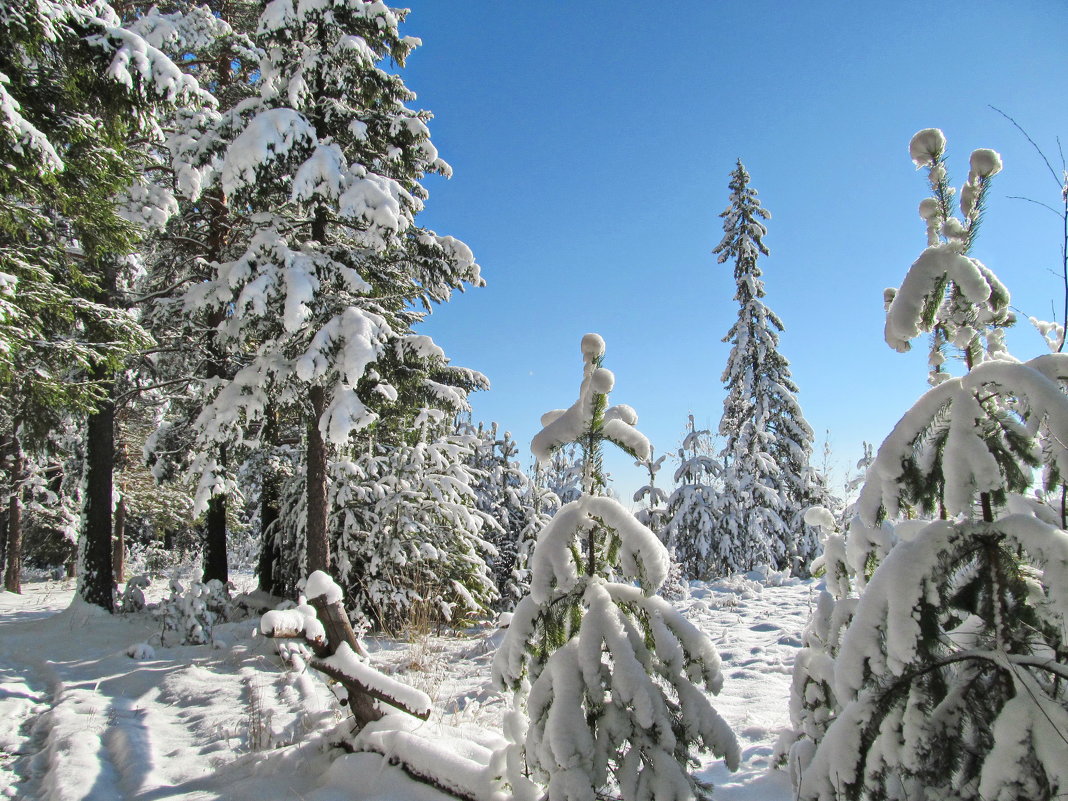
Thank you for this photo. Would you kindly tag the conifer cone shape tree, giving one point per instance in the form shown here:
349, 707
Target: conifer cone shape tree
768, 481
609, 679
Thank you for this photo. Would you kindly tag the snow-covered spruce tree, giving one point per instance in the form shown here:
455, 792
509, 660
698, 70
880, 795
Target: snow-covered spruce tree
845, 564
562, 474
952, 672
767, 481
326, 161
693, 511
609, 680
652, 514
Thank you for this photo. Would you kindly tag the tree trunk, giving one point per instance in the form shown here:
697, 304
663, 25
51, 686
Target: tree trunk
118, 544
13, 567
318, 544
96, 580
270, 581
215, 565
3, 541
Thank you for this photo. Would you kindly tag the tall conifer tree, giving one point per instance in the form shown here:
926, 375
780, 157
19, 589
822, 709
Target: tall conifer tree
80, 97
767, 477
327, 161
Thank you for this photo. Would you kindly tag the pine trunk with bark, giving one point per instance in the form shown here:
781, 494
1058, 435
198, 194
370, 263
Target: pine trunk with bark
13, 563
215, 560
318, 543
118, 543
270, 492
96, 579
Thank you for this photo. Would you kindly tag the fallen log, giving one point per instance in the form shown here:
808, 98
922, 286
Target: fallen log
324, 626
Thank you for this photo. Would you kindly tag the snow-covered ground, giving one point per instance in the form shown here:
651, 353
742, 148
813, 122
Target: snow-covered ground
81, 719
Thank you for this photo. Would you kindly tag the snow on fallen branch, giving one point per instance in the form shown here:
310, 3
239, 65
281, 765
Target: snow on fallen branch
324, 625
346, 667
438, 755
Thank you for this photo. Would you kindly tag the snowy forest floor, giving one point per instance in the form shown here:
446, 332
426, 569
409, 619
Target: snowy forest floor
81, 720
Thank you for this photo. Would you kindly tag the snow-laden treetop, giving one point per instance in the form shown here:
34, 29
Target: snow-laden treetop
946, 291
588, 421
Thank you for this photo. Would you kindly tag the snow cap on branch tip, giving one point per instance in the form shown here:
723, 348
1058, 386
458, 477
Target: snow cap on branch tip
551, 417
953, 229
929, 208
984, 164
592, 346
926, 146
967, 198
602, 381
625, 413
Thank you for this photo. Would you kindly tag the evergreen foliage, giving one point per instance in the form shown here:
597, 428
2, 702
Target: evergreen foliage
326, 162
408, 535
767, 480
80, 99
950, 677
609, 680
694, 510
507, 496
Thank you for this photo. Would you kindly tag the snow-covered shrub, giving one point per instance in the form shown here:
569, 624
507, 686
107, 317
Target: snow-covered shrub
609, 680
133, 594
513, 501
950, 678
693, 513
408, 534
187, 616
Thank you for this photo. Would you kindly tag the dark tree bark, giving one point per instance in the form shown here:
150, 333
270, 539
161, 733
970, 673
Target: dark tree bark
97, 581
318, 543
3, 541
215, 564
270, 579
118, 544
13, 566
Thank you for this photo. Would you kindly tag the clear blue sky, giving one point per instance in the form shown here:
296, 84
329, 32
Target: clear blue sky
591, 144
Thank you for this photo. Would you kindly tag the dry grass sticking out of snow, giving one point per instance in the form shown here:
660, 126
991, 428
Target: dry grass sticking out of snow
81, 719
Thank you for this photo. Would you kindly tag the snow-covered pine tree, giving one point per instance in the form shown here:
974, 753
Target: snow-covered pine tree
81, 94
188, 359
562, 474
767, 480
952, 672
609, 679
693, 511
327, 161
651, 515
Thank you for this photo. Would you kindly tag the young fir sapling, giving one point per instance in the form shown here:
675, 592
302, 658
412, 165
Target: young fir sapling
609, 680
952, 672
